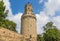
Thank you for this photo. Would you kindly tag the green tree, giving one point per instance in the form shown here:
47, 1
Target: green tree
51, 32
3, 14
10, 25
3, 21
40, 37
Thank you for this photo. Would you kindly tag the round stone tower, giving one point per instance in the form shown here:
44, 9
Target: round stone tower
28, 24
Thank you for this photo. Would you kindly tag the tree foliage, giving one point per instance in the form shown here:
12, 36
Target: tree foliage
3, 14
51, 32
3, 21
40, 37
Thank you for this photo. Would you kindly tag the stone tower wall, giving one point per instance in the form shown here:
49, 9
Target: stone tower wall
28, 24
29, 28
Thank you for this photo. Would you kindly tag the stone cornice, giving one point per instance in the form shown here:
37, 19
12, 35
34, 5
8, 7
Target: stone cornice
31, 16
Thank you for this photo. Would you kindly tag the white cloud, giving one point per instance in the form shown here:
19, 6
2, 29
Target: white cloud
40, 1
45, 16
7, 4
56, 21
42, 19
0, 0
51, 7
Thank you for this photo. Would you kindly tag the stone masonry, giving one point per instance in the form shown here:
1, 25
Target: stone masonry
7, 35
28, 24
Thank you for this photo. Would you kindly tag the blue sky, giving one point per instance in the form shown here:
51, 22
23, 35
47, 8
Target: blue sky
18, 5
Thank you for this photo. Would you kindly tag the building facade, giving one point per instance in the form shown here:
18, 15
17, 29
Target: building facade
28, 24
